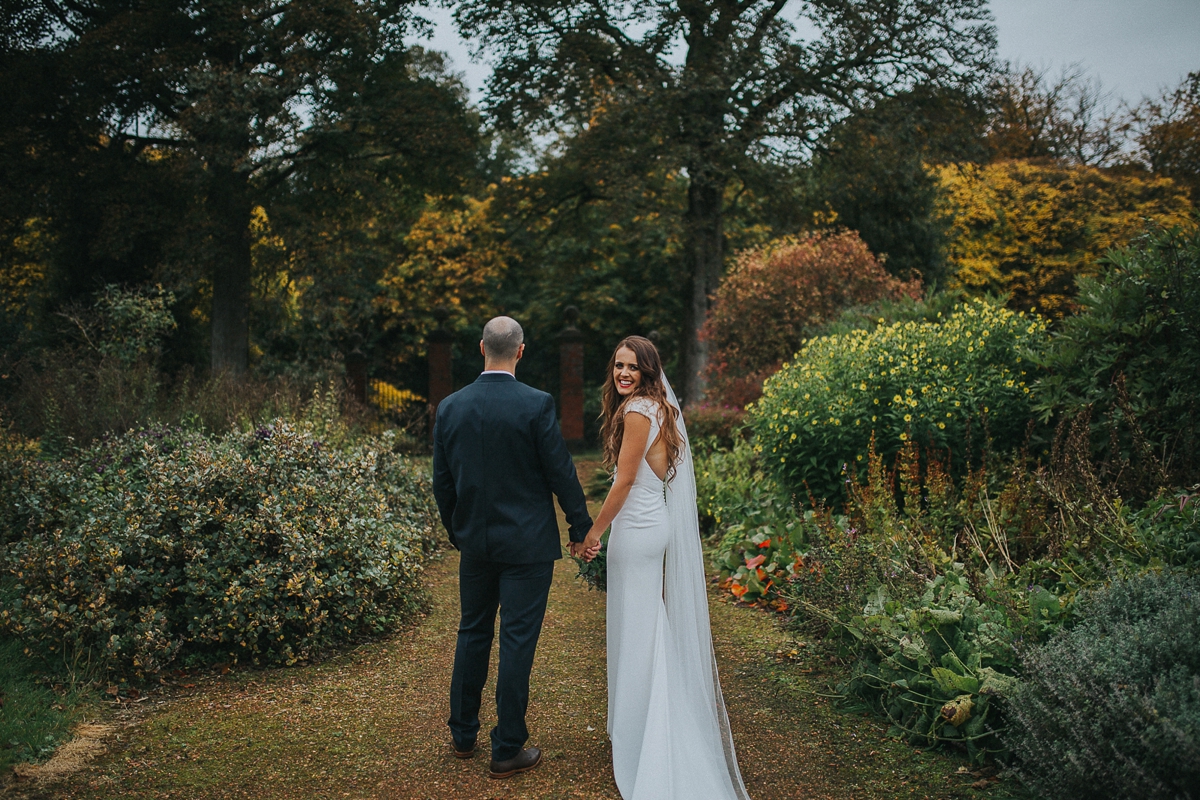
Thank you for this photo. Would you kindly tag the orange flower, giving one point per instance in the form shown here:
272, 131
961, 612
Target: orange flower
754, 562
765, 545
737, 590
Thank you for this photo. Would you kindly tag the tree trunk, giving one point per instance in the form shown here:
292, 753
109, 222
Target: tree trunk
705, 251
230, 205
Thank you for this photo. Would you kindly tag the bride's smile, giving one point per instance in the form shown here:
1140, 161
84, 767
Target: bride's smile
626, 374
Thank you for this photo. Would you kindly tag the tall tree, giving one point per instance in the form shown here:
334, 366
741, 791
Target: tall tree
1069, 119
872, 171
250, 92
1168, 134
712, 86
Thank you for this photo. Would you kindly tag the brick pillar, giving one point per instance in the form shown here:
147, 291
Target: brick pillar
570, 349
356, 374
441, 379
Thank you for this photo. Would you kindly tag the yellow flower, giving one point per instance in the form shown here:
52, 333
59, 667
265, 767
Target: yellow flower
942, 425
904, 437
908, 417
897, 399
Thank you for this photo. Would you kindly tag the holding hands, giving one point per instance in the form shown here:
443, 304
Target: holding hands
590, 546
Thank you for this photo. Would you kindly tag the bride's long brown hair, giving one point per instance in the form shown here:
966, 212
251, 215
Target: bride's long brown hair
612, 413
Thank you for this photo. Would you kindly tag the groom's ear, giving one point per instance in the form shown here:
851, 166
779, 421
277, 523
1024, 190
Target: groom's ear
482, 352
520, 350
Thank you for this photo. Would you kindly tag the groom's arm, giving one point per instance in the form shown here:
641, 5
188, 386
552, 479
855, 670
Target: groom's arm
560, 472
443, 484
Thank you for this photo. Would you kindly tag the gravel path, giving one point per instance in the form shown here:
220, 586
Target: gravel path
371, 723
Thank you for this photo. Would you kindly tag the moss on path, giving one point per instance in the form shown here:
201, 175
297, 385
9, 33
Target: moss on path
371, 723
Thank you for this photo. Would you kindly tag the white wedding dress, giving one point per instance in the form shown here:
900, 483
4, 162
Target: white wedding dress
666, 717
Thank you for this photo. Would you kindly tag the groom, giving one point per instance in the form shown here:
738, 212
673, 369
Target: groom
498, 456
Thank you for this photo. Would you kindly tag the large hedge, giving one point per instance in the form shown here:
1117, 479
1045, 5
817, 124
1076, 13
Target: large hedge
948, 385
262, 546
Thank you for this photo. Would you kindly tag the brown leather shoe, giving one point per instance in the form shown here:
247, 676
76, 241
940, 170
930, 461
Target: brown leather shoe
468, 753
523, 761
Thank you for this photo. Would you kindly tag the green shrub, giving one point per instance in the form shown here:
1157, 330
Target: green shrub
757, 529
1168, 528
935, 666
1130, 359
262, 546
951, 385
18, 463
934, 305
1111, 707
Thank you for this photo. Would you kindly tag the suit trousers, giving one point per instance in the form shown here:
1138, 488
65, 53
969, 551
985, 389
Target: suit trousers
520, 592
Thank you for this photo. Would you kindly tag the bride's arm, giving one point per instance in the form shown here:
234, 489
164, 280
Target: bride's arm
633, 445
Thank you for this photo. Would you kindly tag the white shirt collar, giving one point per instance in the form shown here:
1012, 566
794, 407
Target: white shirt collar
497, 372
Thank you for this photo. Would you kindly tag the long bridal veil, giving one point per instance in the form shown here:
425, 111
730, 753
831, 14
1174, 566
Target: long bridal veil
692, 669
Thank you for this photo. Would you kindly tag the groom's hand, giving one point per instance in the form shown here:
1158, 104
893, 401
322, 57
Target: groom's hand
590, 546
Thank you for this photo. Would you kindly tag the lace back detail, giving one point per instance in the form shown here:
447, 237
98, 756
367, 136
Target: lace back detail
651, 411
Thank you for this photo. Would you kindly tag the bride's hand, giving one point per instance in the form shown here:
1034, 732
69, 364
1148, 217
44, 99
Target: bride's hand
591, 544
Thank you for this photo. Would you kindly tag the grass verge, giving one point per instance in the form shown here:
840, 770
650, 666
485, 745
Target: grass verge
36, 713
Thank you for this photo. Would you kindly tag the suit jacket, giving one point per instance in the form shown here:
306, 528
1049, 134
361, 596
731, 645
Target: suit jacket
498, 457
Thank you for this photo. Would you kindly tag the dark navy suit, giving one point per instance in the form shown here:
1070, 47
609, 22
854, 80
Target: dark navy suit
499, 460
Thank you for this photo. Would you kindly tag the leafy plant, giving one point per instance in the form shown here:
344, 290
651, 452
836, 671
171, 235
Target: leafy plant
262, 546
935, 667
1111, 707
1130, 359
951, 385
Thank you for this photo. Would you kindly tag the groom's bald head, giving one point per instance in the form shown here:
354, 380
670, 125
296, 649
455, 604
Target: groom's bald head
502, 339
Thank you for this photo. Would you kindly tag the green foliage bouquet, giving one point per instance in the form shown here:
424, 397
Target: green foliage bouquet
949, 384
263, 546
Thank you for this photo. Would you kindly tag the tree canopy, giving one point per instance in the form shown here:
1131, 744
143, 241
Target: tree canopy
224, 109
711, 87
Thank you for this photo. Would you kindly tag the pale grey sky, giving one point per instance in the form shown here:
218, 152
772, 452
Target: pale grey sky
1135, 47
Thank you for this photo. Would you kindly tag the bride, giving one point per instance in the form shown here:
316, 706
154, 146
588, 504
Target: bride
666, 717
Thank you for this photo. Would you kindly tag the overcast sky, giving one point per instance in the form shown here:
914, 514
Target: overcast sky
1135, 47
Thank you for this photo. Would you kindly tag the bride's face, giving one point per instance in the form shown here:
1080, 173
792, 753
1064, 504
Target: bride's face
626, 374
